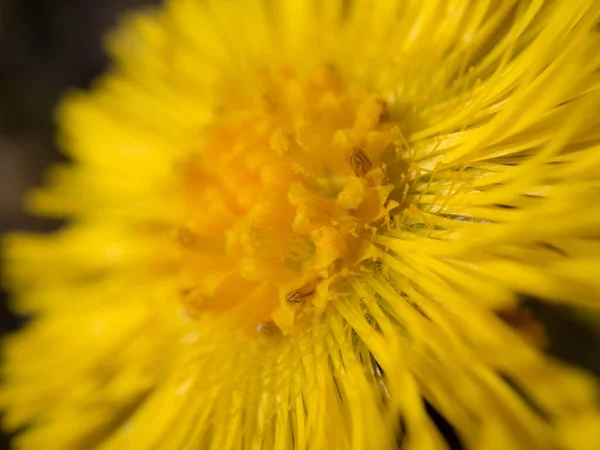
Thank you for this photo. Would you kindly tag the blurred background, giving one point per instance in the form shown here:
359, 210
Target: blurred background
49, 46
46, 47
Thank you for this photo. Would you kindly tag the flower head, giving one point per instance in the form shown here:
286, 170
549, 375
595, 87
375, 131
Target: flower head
295, 224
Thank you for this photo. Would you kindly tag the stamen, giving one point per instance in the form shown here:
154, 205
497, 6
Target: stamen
300, 296
360, 162
267, 328
185, 237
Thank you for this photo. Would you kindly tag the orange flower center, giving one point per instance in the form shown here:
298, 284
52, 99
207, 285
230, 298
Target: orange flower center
285, 193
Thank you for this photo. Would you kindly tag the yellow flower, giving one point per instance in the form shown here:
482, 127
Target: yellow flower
296, 224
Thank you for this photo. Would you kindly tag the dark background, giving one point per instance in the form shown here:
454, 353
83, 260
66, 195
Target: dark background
48, 46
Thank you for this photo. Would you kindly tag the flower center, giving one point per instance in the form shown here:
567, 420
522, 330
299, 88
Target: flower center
287, 191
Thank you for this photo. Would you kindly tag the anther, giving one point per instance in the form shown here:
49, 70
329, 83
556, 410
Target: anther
299, 296
384, 115
267, 328
186, 238
360, 162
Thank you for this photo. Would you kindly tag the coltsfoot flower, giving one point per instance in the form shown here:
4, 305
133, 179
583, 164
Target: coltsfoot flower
297, 224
